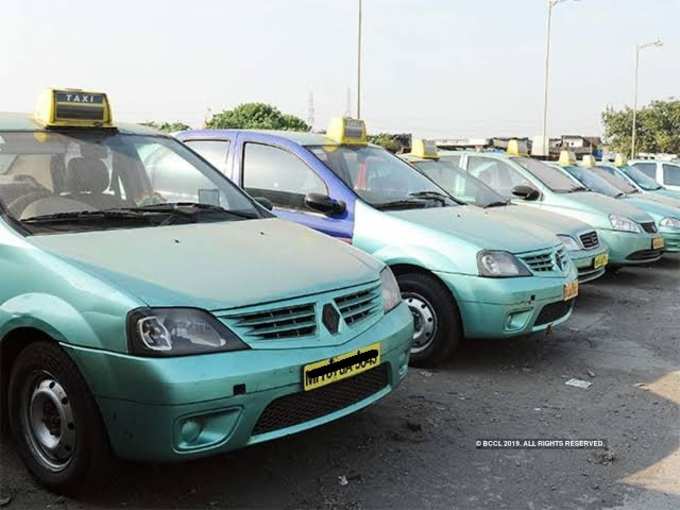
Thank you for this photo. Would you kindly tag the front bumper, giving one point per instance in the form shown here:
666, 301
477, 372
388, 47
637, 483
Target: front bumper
509, 307
169, 409
626, 248
584, 260
671, 238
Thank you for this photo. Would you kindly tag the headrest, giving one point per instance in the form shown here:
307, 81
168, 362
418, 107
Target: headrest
87, 175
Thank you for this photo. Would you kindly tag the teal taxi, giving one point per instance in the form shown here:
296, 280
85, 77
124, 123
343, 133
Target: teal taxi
643, 175
666, 217
462, 274
580, 240
153, 311
630, 234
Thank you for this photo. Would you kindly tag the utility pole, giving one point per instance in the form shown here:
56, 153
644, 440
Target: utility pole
310, 111
359, 65
658, 43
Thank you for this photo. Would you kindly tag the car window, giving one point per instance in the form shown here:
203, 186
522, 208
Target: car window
548, 175
649, 169
594, 181
73, 174
215, 151
671, 174
280, 176
497, 174
453, 160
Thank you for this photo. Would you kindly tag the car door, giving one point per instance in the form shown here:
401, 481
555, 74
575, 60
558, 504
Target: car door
671, 176
285, 175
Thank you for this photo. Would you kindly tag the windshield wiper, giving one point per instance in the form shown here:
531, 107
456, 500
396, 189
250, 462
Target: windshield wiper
577, 189
434, 195
401, 204
185, 209
499, 203
85, 215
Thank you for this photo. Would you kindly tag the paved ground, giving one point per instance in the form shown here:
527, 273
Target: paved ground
416, 449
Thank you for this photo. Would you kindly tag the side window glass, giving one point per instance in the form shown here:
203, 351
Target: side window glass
496, 174
671, 175
649, 169
215, 151
279, 176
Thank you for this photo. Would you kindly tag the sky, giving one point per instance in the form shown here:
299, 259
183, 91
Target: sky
434, 68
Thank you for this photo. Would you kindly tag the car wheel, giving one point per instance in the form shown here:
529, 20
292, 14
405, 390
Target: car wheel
55, 422
437, 325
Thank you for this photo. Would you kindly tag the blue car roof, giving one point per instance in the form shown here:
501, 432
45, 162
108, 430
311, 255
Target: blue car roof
299, 137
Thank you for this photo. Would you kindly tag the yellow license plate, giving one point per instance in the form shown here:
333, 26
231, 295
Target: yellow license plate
657, 243
570, 290
327, 371
601, 260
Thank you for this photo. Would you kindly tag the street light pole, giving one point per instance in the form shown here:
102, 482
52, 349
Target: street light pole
546, 142
359, 66
657, 43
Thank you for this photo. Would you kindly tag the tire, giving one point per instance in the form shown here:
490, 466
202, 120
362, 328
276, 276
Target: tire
54, 421
439, 330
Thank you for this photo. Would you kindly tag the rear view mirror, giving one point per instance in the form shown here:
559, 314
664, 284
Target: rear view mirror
324, 203
526, 192
264, 202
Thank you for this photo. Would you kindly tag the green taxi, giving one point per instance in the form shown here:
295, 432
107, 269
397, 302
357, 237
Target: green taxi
630, 234
580, 240
153, 311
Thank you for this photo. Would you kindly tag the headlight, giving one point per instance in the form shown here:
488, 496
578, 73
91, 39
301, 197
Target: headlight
499, 264
624, 224
166, 332
390, 289
670, 223
569, 242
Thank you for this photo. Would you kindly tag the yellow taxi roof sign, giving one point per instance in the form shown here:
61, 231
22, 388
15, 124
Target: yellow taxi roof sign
347, 131
425, 149
588, 161
567, 158
73, 108
516, 149
620, 160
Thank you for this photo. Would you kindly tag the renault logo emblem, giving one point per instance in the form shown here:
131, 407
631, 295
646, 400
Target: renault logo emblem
330, 318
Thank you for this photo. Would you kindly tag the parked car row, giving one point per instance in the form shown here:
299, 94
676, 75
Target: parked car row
168, 300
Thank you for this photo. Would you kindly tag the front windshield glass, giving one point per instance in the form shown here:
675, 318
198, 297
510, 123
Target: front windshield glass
593, 181
380, 178
554, 179
459, 183
641, 179
94, 180
615, 180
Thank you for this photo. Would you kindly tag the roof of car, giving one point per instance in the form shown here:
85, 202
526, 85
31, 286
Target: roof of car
299, 137
25, 122
497, 154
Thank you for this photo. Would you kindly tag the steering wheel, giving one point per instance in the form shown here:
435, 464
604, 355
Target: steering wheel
17, 206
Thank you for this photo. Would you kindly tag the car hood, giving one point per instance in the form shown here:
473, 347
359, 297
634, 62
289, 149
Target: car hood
657, 209
667, 200
479, 227
215, 265
554, 223
595, 202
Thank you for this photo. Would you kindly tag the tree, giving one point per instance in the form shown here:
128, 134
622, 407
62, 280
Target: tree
256, 116
386, 141
167, 127
658, 127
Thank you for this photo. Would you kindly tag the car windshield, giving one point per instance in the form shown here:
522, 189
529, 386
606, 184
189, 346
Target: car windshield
554, 179
380, 178
615, 180
593, 181
459, 183
641, 179
94, 180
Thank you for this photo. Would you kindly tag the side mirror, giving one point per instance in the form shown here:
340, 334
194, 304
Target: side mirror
324, 204
264, 202
526, 192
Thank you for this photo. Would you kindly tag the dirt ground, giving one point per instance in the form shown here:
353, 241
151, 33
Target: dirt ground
416, 448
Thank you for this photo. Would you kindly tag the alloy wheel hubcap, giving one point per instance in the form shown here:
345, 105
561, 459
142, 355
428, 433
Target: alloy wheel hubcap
424, 321
49, 424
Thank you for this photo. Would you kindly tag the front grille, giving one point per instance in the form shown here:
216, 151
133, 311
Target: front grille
277, 323
308, 405
553, 312
650, 227
546, 261
359, 305
590, 240
645, 255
